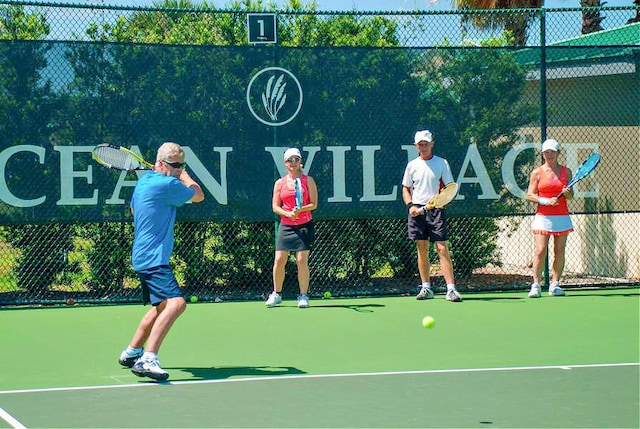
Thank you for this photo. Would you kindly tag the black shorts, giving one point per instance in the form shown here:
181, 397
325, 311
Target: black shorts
295, 238
432, 226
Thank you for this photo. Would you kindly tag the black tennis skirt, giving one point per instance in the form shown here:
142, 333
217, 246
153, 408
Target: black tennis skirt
295, 238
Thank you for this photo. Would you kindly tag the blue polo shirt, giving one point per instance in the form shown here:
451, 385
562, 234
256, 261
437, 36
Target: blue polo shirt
154, 202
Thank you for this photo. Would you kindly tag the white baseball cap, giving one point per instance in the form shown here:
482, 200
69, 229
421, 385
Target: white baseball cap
550, 144
292, 151
424, 135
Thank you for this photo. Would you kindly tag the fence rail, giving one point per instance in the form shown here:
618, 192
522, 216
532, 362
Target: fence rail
359, 85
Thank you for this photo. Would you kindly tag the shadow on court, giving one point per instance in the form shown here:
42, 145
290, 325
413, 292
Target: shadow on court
221, 373
570, 293
361, 308
488, 298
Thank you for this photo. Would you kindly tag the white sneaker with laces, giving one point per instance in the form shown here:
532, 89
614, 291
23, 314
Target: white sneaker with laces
425, 293
273, 300
534, 292
453, 296
303, 301
149, 368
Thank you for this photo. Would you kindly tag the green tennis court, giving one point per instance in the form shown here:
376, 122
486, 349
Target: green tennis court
494, 360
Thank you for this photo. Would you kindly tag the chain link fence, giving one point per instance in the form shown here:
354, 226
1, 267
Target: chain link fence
491, 85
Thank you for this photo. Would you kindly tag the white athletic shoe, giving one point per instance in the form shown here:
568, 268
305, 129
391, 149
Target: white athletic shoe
453, 296
303, 301
127, 359
534, 292
273, 300
425, 293
555, 290
149, 368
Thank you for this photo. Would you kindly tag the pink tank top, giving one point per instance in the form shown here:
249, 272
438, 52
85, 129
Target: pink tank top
288, 199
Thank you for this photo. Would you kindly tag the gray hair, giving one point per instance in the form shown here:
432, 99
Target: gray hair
170, 151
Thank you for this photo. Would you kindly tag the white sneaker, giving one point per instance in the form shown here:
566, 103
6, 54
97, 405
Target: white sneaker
555, 290
425, 293
149, 368
534, 292
273, 300
453, 296
303, 301
127, 359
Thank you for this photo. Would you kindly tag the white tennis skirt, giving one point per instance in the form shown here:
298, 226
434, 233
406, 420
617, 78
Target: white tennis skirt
552, 225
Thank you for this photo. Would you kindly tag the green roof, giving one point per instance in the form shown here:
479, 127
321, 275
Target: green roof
605, 44
627, 35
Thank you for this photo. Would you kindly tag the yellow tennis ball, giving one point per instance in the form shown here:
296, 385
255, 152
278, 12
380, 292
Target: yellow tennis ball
194, 298
327, 295
428, 322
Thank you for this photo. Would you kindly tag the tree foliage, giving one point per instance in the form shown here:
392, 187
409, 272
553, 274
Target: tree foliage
175, 74
475, 96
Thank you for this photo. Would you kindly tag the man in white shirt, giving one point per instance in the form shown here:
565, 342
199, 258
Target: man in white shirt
423, 179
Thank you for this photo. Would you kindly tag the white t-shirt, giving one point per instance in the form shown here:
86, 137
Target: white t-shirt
425, 177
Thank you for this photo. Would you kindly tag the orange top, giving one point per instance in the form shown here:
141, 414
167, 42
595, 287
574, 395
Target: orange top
550, 187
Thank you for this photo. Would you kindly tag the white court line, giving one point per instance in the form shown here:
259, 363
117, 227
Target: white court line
9, 419
17, 425
309, 376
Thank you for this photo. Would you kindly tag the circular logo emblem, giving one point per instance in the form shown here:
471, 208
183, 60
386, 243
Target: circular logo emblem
274, 96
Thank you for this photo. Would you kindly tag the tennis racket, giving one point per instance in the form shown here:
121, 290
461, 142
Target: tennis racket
584, 170
444, 197
119, 158
298, 192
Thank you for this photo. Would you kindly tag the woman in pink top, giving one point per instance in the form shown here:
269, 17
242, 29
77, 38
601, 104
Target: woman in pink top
295, 232
552, 216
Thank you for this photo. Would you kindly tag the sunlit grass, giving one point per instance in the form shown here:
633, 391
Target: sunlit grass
8, 262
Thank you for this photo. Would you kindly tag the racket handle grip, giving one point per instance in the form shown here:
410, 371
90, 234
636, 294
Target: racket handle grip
561, 194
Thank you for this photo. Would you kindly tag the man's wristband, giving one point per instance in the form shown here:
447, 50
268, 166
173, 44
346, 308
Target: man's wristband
409, 204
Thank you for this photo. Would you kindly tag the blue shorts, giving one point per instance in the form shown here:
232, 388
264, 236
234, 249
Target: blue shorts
158, 284
432, 226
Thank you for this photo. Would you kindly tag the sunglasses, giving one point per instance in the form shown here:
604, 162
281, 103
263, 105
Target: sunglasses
176, 164
292, 160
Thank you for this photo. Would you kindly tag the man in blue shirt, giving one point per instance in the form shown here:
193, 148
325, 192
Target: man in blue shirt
155, 199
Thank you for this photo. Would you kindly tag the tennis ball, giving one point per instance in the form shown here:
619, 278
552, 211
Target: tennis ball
194, 298
428, 322
70, 301
327, 295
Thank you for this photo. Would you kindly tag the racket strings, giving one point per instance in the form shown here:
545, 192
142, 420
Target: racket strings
117, 158
585, 169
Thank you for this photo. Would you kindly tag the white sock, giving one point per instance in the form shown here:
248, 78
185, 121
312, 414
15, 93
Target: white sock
426, 284
149, 356
451, 287
133, 351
